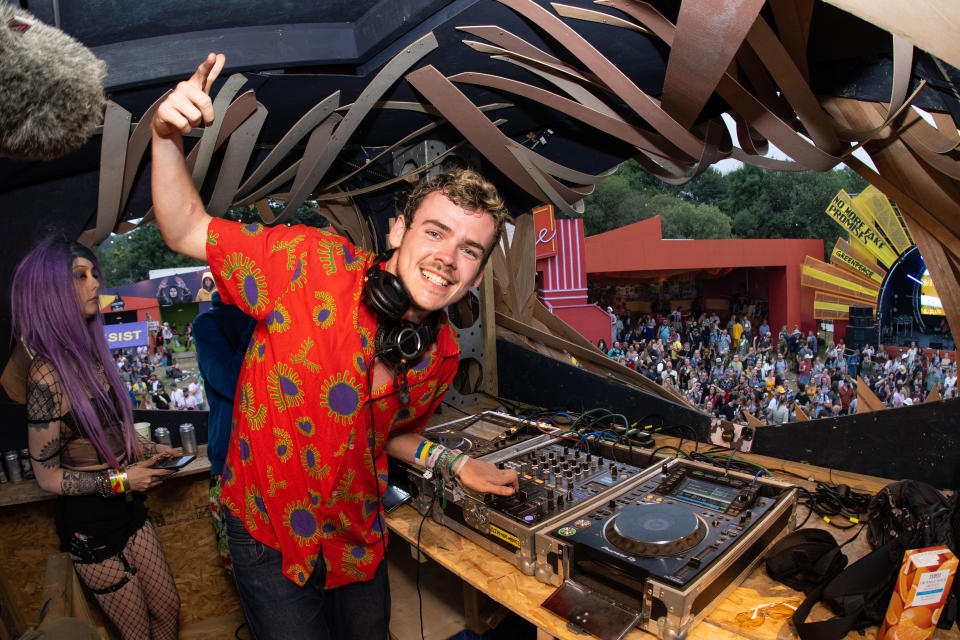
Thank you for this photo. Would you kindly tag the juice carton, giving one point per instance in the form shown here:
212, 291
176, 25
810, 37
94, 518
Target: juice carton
923, 583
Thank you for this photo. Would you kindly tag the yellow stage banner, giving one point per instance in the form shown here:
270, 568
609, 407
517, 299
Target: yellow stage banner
827, 306
826, 277
873, 203
842, 210
842, 256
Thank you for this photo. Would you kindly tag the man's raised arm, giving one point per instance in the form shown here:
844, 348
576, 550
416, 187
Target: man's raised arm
180, 214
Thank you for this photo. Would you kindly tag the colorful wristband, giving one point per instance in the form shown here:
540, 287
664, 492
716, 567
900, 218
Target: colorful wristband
435, 454
457, 465
116, 481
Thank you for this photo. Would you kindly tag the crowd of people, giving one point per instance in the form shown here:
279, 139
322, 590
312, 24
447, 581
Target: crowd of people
733, 368
139, 369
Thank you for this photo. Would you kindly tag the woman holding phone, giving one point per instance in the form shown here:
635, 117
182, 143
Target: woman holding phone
83, 444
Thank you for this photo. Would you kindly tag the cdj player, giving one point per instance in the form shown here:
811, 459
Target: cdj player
658, 553
555, 479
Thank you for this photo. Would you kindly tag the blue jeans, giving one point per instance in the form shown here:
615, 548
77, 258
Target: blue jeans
275, 607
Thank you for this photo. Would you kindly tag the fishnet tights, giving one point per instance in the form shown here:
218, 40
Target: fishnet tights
147, 607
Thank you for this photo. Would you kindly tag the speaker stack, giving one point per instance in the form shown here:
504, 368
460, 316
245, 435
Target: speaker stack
862, 330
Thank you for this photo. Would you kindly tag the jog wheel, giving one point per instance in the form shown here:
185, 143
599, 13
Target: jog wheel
655, 530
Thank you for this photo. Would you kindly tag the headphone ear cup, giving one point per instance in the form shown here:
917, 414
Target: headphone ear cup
385, 295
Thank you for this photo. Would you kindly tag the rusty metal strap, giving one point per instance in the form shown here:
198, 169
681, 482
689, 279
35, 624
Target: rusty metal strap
235, 161
319, 137
315, 165
645, 106
304, 125
707, 38
614, 127
481, 133
113, 147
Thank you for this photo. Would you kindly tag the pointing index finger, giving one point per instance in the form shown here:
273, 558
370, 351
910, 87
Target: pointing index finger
208, 71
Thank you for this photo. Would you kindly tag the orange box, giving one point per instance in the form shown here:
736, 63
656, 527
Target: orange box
923, 584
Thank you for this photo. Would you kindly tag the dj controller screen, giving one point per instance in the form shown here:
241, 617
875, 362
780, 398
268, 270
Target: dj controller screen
709, 495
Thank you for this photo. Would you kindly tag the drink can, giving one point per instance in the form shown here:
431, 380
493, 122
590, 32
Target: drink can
25, 464
3, 475
11, 461
161, 435
188, 438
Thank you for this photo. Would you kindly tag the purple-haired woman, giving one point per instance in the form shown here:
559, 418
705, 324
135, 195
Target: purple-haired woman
83, 443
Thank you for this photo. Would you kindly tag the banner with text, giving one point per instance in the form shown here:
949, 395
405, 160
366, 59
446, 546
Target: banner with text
127, 334
861, 231
545, 227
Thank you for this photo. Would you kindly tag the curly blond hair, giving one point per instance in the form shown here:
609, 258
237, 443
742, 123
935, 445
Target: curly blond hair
466, 189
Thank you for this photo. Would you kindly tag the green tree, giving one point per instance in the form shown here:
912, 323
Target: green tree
614, 204
682, 219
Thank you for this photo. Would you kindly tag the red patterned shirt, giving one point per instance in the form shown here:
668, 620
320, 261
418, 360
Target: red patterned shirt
299, 472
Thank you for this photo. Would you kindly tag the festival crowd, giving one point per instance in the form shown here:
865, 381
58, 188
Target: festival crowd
734, 368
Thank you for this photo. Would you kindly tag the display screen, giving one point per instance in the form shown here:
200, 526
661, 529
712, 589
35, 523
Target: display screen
708, 494
930, 304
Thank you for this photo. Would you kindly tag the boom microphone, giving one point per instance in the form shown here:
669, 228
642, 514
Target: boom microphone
52, 98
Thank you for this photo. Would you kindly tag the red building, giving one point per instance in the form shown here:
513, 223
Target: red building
764, 269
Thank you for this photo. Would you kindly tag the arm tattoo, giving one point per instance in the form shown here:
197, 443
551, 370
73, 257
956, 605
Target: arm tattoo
42, 405
77, 483
49, 454
147, 447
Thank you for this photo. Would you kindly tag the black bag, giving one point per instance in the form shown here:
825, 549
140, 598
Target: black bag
919, 515
805, 559
859, 595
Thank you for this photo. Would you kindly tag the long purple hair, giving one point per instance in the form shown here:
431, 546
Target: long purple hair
50, 320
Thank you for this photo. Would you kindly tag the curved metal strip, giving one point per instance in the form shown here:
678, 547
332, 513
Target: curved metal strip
305, 124
750, 109
615, 127
410, 136
947, 129
210, 134
771, 164
136, 147
716, 133
589, 15
319, 137
645, 106
540, 178
113, 146
487, 139
314, 167
794, 86
915, 132
793, 19
235, 161
750, 141
708, 35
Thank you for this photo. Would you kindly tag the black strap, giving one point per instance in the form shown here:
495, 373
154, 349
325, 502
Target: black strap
849, 592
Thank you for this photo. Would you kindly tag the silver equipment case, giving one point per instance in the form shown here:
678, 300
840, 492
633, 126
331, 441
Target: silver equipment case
659, 554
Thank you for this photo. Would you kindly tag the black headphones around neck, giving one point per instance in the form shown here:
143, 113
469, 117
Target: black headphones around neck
398, 342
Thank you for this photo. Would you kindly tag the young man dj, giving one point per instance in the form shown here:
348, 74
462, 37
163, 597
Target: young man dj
350, 356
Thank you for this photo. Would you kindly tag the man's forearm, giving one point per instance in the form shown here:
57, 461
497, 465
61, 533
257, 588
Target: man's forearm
403, 447
177, 205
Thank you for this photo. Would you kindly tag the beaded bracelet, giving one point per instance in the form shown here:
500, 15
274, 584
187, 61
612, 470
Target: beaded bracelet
117, 484
102, 484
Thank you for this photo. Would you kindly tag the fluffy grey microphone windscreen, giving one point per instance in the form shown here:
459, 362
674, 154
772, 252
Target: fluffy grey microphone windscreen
52, 97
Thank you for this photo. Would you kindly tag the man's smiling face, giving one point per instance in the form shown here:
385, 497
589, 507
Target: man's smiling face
440, 256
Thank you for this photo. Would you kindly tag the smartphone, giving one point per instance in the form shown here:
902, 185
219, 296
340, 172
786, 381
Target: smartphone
393, 497
174, 464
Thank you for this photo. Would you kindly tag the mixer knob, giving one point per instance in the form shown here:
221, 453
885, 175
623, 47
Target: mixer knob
613, 473
576, 454
553, 455
549, 493
560, 502
589, 458
578, 474
612, 504
501, 465
524, 468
